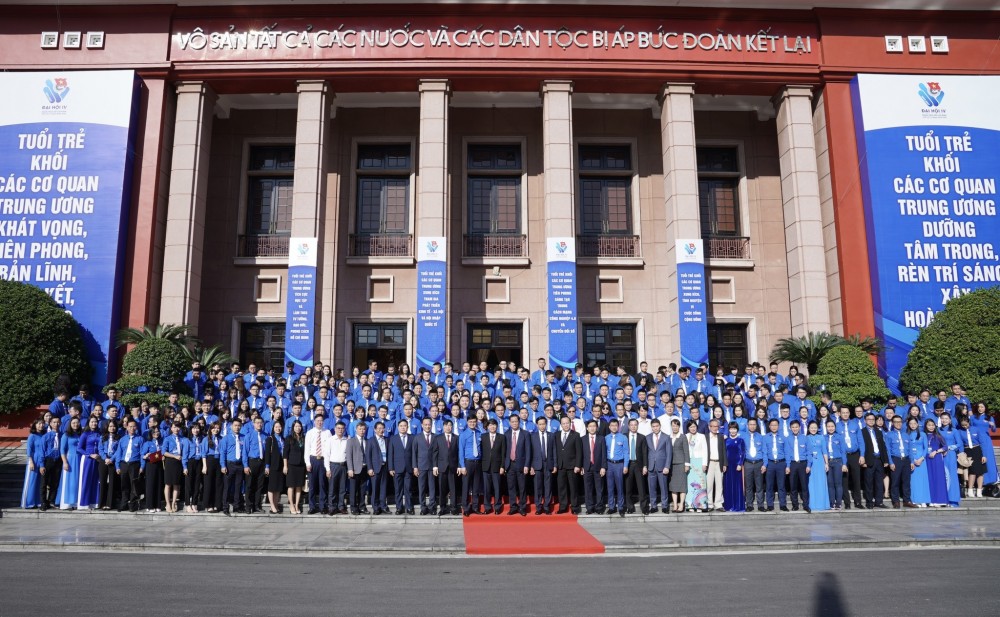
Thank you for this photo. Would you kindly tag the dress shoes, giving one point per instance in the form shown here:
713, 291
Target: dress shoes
513, 512
807, 509
621, 513
400, 512
909, 504
784, 508
653, 511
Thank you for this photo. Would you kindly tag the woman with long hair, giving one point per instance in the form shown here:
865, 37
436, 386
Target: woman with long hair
173, 465
108, 480
88, 485
31, 494
152, 466
936, 449
679, 466
294, 466
953, 444
69, 482
274, 465
193, 463
920, 490
211, 490
697, 492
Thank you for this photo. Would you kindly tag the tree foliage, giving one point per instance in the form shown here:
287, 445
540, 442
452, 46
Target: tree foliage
42, 347
170, 332
849, 374
961, 345
808, 350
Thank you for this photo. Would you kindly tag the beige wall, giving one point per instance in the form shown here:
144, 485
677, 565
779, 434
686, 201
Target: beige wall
761, 292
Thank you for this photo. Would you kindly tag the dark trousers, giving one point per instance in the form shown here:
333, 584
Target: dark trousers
211, 493
338, 487
50, 480
658, 493
593, 488
753, 483
255, 483
472, 486
193, 483
317, 484
635, 482
492, 497
358, 483
401, 483
800, 483
543, 489
835, 482
852, 479
130, 486
427, 487
446, 491
566, 481
775, 480
154, 485
232, 485
899, 480
108, 482
516, 489
380, 502
874, 483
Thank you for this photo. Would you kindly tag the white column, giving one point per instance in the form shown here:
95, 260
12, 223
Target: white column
432, 175
680, 188
180, 300
557, 150
311, 127
800, 196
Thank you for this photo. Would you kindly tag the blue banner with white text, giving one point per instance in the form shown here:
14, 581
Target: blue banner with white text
65, 170
929, 147
561, 270
300, 302
432, 295
691, 306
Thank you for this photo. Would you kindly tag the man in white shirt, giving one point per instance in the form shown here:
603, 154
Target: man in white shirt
315, 454
335, 460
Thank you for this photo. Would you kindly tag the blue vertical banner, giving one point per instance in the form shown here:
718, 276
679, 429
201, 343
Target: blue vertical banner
929, 147
300, 302
691, 306
563, 340
432, 300
65, 173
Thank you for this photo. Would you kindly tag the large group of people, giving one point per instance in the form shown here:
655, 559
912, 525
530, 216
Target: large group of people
487, 441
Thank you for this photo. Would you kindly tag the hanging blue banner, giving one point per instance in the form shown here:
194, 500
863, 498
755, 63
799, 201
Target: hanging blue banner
563, 342
300, 302
930, 159
692, 322
65, 170
432, 297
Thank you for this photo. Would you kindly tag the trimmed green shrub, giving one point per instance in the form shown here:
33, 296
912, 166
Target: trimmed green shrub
41, 344
849, 374
961, 345
159, 358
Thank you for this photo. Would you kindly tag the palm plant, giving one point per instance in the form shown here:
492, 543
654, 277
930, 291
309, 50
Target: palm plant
808, 349
209, 356
171, 332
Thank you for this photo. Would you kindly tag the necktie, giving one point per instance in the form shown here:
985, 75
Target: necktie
260, 446
631, 447
829, 445
784, 428
542, 435
56, 441
381, 447
428, 438
319, 445
237, 439
796, 446
475, 446
564, 435
447, 441
874, 441
968, 435
591, 448
492, 440
656, 440
774, 447
902, 451
362, 442
128, 450
197, 448
111, 446
513, 446
177, 440
753, 447
847, 435
404, 441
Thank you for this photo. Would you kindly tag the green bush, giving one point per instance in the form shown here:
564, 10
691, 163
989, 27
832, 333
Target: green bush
40, 343
159, 358
848, 373
961, 345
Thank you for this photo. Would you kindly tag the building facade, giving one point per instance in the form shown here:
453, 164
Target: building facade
498, 127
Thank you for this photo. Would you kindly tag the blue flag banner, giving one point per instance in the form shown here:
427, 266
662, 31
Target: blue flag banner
692, 323
300, 302
432, 300
929, 147
65, 172
563, 343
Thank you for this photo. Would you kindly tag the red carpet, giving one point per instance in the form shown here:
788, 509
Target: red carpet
558, 534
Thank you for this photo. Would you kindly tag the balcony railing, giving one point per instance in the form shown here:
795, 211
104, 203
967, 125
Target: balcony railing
727, 247
494, 245
608, 246
268, 245
381, 245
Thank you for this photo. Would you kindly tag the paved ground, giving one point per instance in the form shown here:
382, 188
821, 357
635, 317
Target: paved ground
319, 535
924, 582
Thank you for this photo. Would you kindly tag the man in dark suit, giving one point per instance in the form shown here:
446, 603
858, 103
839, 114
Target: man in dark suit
444, 454
595, 456
635, 469
376, 459
422, 466
492, 448
357, 468
874, 461
660, 456
543, 467
569, 464
516, 460
400, 460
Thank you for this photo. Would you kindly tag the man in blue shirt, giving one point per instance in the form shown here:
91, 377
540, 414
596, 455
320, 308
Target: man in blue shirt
775, 468
468, 467
853, 443
234, 462
127, 465
255, 463
797, 463
617, 458
898, 446
753, 463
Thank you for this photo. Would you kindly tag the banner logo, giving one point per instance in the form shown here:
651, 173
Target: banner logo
56, 90
432, 246
931, 93
561, 247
